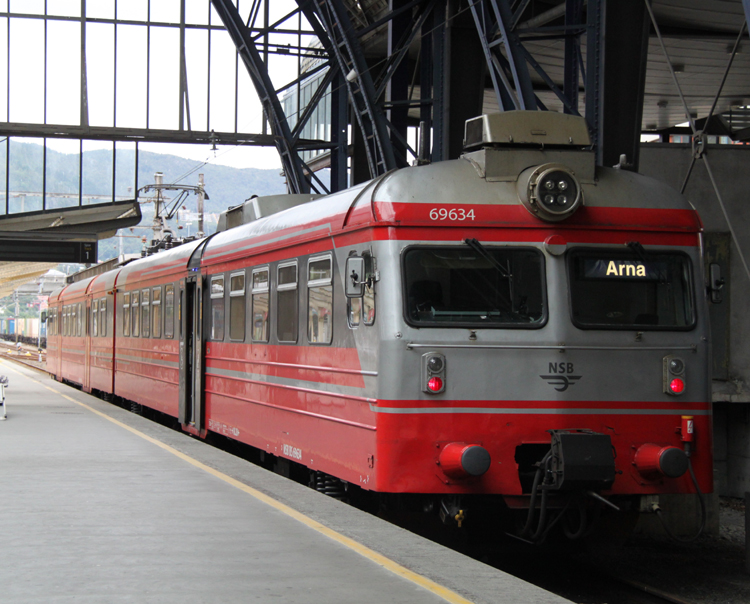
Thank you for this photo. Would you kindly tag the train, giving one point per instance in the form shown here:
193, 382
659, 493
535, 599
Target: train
518, 330
28, 331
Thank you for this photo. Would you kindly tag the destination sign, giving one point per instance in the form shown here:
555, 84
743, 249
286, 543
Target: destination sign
614, 268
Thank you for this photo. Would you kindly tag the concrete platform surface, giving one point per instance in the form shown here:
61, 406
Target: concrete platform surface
98, 505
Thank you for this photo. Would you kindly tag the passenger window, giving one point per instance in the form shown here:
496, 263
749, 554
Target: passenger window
217, 308
126, 314
169, 311
260, 305
286, 302
237, 307
95, 318
156, 304
319, 301
145, 314
103, 317
135, 314
78, 320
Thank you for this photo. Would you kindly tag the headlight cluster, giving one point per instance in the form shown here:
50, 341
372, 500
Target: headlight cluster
550, 191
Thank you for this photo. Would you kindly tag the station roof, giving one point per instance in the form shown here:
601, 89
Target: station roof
698, 37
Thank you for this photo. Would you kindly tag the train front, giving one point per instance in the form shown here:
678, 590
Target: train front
549, 340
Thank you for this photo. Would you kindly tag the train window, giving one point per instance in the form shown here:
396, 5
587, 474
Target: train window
466, 287
156, 312
79, 320
237, 307
103, 317
145, 313
169, 311
286, 302
135, 315
319, 300
217, 308
368, 298
95, 318
259, 310
65, 321
630, 290
354, 306
126, 314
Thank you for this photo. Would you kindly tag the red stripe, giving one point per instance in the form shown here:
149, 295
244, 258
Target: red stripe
516, 216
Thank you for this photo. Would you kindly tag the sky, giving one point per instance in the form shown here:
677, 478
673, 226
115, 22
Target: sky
128, 88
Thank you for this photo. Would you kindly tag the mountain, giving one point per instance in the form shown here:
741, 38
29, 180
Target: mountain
224, 185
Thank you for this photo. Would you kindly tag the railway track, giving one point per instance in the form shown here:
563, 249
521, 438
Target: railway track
26, 355
571, 575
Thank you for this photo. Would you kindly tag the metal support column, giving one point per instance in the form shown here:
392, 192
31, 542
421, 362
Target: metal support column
626, 34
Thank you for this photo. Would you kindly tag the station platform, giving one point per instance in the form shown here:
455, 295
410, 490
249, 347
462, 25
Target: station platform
98, 505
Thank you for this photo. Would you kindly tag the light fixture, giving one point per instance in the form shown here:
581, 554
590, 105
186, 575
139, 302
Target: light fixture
550, 191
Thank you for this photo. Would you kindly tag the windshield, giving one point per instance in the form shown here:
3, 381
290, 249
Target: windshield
461, 286
626, 290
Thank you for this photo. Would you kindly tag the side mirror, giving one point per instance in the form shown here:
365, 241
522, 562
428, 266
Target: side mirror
715, 283
355, 277
44, 316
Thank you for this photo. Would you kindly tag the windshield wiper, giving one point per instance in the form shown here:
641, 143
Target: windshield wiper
482, 251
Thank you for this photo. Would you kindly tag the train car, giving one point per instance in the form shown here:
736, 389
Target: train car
54, 330
100, 303
74, 342
517, 325
147, 349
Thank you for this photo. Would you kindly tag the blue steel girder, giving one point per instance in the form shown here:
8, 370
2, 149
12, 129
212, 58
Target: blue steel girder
341, 40
395, 59
508, 59
251, 58
494, 19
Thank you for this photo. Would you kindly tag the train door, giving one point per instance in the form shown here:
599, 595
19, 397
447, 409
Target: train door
191, 353
87, 347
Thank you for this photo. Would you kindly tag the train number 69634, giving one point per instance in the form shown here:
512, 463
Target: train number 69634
451, 214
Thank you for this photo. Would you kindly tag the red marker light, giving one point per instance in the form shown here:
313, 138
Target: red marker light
435, 384
677, 385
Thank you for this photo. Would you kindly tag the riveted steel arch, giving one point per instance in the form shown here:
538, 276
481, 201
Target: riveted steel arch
342, 41
258, 71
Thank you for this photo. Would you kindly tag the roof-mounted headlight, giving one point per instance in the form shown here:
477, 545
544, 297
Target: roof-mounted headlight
550, 191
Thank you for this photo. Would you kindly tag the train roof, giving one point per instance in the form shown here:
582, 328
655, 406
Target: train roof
79, 288
486, 180
160, 264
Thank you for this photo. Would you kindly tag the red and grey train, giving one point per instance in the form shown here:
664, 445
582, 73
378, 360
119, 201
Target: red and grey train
517, 325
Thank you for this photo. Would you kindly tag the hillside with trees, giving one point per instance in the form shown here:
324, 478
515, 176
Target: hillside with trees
225, 186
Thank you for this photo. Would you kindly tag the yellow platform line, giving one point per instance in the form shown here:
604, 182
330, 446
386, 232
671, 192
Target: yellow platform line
394, 567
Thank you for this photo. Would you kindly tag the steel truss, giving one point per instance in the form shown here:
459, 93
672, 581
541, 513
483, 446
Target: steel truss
377, 91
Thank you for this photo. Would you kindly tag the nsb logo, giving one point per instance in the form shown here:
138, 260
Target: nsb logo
560, 376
